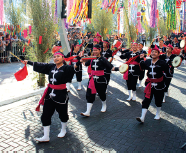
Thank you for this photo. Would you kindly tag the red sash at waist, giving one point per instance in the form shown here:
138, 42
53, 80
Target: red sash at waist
131, 61
91, 82
56, 87
147, 90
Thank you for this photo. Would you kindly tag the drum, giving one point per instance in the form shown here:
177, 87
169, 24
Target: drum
123, 68
182, 44
110, 59
176, 61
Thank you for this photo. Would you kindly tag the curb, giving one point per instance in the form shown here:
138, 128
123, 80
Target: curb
31, 94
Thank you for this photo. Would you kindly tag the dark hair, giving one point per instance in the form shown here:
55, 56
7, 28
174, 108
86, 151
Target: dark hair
97, 46
107, 43
7, 35
72, 47
141, 43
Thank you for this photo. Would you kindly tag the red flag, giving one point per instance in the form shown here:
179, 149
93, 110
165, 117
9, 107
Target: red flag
46, 50
21, 74
40, 39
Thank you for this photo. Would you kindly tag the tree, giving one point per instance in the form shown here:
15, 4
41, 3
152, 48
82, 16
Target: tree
127, 27
14, 15
43, 25
102, 20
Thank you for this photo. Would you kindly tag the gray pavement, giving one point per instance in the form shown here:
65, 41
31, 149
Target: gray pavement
115, 131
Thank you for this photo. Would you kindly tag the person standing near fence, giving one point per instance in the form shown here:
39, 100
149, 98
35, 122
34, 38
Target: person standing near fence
1, 49
8, 47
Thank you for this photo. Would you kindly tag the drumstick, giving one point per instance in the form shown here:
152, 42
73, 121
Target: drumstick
16, 56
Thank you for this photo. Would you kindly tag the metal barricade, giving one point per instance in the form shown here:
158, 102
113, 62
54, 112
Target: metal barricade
16, 49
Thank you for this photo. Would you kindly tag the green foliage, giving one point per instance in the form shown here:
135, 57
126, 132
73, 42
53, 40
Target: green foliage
127, 26
14, 15
90, 28
101, 19
42, 25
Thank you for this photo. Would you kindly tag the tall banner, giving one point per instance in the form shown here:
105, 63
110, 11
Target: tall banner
1, 12
121, 17
121, 21
69, 6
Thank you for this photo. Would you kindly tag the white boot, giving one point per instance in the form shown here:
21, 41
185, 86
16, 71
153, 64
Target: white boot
142, 118
157, 117
89, 107
45, 138
63, 130
134, 96
166, 93
164, 98
79, 86
104, 106
130, 96
140, 84
183, 62
68, 87
106, 91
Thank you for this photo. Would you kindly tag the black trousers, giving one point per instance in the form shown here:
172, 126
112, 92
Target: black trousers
108, 78
100, 88
144, 42
78, 77
158, 96
131, 82
142, 74
49, 108
167, 83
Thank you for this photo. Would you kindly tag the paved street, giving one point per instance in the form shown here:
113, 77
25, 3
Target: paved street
9, 84
113, 131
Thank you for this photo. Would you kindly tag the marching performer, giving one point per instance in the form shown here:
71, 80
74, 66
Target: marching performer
131, 76
99, 38
78, 71
154, 84
168, 58
95, 41
107, 53
142, 72
55, 96
97, 81
175, 43
91, 45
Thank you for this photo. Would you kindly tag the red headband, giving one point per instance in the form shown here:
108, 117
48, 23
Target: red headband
58, 54
96, 48
134, 44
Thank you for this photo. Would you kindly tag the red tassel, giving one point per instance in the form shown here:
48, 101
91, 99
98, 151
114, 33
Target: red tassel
40, 39
46, 50
23, 49
38, 108
30, 29
21, 74
28, 42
